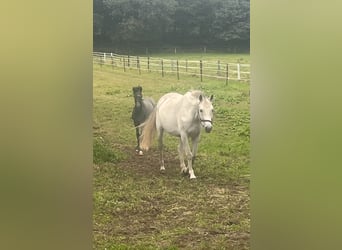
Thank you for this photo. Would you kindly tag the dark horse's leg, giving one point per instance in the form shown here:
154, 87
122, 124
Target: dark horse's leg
137, 133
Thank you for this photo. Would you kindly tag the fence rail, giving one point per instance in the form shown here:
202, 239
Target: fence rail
200, 68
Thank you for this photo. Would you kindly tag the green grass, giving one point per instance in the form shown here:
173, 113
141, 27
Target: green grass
136, 206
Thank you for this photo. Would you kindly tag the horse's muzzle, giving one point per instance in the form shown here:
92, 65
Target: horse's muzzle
207, 124
208, 129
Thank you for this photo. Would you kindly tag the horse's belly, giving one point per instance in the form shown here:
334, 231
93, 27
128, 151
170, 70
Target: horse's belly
170, 127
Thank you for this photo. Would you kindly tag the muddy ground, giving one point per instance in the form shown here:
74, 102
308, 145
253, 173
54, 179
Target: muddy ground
144, 208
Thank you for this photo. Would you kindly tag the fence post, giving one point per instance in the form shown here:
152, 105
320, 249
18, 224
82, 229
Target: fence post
148, 64
186, 65
218, 67
124, 64
201, 66
177, 71
238, 71
128, 61
227, 74
101, 61
138, 65
111, 55
162, 65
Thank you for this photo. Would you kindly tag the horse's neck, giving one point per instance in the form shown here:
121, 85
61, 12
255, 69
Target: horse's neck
190, 109
138, 109
191, 103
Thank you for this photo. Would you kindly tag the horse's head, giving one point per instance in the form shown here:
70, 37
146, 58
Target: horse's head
205, 111
137, 93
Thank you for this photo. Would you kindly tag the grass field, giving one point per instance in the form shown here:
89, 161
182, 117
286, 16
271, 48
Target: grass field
138, 207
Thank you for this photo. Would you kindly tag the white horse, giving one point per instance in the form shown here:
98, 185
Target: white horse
182, 116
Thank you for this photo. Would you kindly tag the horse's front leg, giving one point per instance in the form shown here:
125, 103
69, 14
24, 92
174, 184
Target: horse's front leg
137, 149
195, 141
188, 154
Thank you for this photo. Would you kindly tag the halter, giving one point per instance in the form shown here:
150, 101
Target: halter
206, 121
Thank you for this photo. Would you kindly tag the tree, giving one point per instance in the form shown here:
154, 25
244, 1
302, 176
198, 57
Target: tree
133, 23
231, 22
138, 21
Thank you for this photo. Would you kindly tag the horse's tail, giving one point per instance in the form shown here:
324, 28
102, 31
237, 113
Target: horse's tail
148, 130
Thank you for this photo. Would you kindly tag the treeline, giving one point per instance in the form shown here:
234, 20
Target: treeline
184, 23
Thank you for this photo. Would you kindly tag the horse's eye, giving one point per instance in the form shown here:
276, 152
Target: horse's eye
201, 110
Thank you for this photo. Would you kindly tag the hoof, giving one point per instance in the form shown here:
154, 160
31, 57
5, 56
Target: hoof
162, 168
184, 171
192, 177
141, 152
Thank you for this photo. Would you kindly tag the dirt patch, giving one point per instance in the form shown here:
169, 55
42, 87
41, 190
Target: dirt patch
149, 163
147, 208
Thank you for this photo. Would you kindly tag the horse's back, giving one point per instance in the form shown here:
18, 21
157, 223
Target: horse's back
169, 103
170, 97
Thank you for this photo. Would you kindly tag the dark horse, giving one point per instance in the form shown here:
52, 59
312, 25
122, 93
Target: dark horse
141, 110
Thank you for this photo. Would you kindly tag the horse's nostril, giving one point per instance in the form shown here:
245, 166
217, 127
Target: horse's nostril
208, 129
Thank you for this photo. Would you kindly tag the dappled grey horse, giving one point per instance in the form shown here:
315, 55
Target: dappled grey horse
181, 116
142, 109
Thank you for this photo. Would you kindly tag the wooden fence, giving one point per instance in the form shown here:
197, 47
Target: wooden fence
199, 68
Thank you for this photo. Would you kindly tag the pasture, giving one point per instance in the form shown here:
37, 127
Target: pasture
138, 207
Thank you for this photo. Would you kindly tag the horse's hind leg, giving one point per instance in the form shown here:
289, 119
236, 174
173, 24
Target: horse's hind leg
161, 147
183, 167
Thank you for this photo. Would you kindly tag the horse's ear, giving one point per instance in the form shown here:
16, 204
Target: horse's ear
200, 98
211, 98
140, 88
